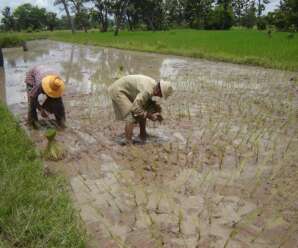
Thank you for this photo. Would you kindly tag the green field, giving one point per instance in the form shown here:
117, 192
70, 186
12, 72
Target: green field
237, 46
35, 210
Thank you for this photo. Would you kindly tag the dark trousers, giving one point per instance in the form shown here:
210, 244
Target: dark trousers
55, 106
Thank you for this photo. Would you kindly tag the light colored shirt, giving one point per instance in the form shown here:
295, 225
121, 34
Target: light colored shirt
138, 89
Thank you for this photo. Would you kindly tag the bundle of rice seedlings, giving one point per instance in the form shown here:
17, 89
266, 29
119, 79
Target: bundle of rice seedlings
54, 151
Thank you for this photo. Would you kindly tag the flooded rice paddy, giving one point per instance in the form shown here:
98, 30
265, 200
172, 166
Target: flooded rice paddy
220, 171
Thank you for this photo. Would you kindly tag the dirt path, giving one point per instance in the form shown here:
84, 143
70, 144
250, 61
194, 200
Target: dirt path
221, 171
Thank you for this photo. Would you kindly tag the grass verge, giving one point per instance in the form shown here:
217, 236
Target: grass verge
35, 211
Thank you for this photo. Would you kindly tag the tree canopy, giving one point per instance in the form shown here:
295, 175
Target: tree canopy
152, 15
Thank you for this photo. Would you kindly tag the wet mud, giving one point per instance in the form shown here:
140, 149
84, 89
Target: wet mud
220, 171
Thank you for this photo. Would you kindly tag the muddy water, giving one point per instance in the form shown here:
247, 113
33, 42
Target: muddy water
209, 175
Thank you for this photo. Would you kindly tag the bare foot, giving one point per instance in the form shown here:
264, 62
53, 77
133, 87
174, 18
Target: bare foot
143, 137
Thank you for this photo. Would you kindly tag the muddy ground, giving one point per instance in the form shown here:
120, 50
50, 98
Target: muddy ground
220, 171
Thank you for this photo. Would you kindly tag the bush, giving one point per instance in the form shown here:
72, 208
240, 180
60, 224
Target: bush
10, 41
29, 30
220, 18
261, 24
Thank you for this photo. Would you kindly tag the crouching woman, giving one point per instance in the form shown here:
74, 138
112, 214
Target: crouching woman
44, 90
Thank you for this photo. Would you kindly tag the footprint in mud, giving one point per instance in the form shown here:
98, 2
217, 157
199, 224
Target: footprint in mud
154, 136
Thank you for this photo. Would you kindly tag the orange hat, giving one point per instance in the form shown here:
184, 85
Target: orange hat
53, 86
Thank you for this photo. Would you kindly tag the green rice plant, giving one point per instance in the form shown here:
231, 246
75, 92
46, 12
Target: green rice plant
180, 221
54, 151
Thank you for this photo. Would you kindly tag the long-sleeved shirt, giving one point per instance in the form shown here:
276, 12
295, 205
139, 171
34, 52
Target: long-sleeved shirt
33, 82
138, 90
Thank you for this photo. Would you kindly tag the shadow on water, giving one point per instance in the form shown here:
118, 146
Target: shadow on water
1, 58
2, 78
2, 85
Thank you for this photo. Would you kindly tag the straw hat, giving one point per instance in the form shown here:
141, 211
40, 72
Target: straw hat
166, 88
53, 86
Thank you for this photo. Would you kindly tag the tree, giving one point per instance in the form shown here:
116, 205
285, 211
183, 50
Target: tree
238, 7
133, 16
28, 16
176, 11
287, 15
81, 13
220, 18
102, 8
197, 12
285, 18
224, 14
65, 6
249, 15
8, 19
52, 21
118, 9
244, 11
153, 13
261, 6
261, 22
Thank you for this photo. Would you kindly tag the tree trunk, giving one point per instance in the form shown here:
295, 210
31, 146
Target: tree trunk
119, 15
104, 23
103, 26
259, 8
152, 28
118, 22
70, 20
129, 21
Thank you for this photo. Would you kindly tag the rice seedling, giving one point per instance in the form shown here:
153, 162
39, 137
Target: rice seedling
180, 221
54, 151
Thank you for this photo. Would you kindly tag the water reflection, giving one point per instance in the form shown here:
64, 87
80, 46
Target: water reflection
89, 70
86, 69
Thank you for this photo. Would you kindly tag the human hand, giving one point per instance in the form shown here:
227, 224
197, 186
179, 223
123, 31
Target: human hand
155, 117
44, 113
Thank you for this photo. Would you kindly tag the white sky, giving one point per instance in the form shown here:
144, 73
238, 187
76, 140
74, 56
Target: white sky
49, 5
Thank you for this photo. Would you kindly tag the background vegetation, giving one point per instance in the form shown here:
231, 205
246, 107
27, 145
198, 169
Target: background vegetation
152, 15
276, 50
185, 21
35, 210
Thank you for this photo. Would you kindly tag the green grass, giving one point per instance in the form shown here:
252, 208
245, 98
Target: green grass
237, 46
16, 39
35, 210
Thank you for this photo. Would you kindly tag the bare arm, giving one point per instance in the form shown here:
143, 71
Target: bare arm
138, 106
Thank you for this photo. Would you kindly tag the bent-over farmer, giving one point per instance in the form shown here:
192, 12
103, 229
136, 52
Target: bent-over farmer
44, 90
132, 101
